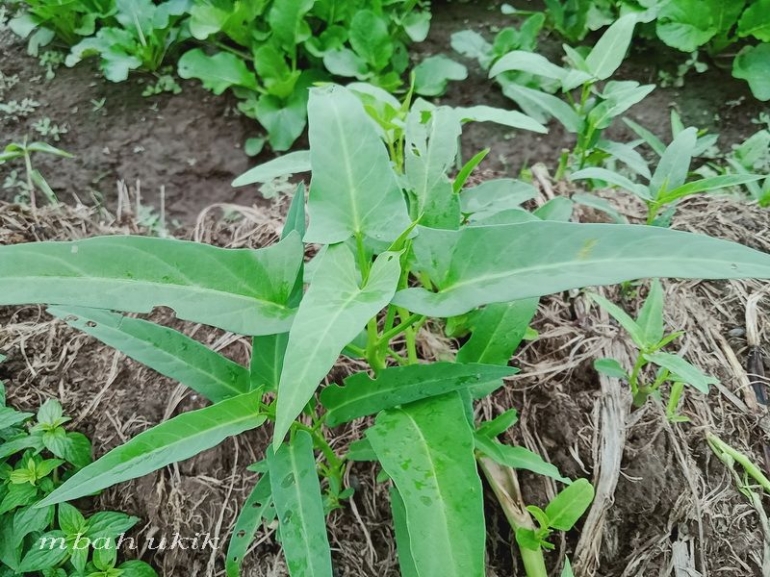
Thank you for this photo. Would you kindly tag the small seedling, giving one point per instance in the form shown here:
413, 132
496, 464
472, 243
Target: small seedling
667, 185
15, 110
676, 79
46, 128
165, 82
37, 454
561, 514
34, 180
97, 105
753, 156
7, 82
648, 334
51, 60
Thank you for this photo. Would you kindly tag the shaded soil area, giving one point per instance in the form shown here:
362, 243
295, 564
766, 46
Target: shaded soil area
190, 144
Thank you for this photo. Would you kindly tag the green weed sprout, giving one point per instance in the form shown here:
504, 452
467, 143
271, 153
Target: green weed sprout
647, 332
34, 178
38, 455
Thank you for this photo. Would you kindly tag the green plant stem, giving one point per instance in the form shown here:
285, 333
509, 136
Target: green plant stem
633, 381
652, 212
373, 354
505, 486
390, 318
238, 53
401, 360
411, 346
335, 462
400, 328
28, 167
363, 262
357, 350
673, 400
728, 455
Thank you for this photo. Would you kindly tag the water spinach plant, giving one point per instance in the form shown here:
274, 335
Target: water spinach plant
668, 183
647, 332
401, 247
590, 103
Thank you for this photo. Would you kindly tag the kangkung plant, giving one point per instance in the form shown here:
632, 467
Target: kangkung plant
401, 246
37, 455
753, 156
648, 334
589, 108
668, 184
471, 44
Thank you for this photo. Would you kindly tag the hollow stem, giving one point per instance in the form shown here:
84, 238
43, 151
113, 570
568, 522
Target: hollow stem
505, 486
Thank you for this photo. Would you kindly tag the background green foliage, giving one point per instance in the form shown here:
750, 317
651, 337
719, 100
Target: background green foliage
687, 25
267, 52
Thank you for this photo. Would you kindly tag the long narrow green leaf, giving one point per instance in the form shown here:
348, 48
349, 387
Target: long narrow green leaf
524, 61
608, 53
174, 440
431, 145
611, 177
512, 118
497, 331
298, 502
657, 145
403, 541
650, 319
395, 386
334, 310
241, 290
682, 369
467, 170
708, 184
494, 196
427, 449
600, 204
542, 106
517, 458
165, 350
246, 526
674, 165
430, 151
285, 165
267, 354
480, 265
354, 189
628, 155
569, 505
636, 332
